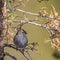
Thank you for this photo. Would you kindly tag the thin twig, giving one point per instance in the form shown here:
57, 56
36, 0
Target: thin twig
30, 13
37, 24
30, 22
27, 12
13, 57
33, 23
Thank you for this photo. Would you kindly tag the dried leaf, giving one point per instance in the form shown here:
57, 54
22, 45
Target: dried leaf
54, 11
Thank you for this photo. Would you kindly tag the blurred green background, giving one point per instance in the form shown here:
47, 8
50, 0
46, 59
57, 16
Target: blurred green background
36, 33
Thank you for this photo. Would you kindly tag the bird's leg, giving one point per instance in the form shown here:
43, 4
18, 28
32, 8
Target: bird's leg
13, 57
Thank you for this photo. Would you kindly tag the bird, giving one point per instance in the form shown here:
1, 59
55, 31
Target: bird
20, 39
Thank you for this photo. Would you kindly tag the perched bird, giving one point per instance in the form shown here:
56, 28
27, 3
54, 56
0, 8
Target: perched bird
20, 39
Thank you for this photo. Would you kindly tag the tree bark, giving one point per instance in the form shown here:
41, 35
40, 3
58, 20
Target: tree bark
2, 26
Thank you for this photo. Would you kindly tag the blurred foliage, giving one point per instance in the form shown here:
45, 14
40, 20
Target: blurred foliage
11, 15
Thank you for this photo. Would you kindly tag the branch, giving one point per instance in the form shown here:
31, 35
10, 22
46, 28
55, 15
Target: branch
13, 57
35, 14
22, 22
14, 9
34, 23
29, 22
27, 12
30, 13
